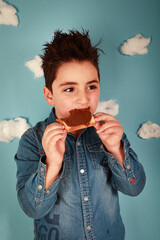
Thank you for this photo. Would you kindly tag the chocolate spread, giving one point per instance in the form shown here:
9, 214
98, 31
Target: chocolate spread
78, 117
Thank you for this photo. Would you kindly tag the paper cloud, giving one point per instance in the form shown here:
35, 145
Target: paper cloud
136, 45
14, 128
8, 14
109, 107
149, 130
35, 66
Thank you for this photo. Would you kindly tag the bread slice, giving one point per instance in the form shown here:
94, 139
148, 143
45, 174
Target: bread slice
78, 127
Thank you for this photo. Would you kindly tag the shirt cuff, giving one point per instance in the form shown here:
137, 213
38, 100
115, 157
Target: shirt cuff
42, 173
117, 168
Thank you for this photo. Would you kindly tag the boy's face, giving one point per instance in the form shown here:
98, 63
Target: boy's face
76, 86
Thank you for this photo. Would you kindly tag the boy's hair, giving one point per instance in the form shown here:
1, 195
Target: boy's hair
65, 48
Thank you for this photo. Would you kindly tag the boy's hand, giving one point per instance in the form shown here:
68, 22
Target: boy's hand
110, 132
53, 143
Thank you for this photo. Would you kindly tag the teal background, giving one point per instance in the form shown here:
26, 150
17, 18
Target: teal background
133, 81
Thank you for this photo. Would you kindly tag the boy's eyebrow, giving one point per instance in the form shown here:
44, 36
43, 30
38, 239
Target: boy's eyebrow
74, 83
93, 81
67, 83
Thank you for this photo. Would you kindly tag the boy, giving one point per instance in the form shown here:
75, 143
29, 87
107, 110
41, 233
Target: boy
69, 182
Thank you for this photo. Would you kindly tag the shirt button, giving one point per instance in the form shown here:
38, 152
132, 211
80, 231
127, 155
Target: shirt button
42, 170
85, 198
123, 170
39, 187
89, 228
78, 143
82, 171
47, 191
112, 157
128, 167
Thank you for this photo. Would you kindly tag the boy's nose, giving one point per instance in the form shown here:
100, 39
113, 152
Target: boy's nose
82, 99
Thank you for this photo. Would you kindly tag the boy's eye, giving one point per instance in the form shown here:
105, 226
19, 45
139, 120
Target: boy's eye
92, 87
69, 89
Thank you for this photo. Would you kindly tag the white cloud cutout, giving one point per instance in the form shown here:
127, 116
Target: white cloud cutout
35, 66
8, 14
109, 107
14, 128
136, 45
149, 130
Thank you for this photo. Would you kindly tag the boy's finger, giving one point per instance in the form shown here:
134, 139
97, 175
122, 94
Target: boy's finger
53, 127
112, 130
57, 137
107, 125
103, 117
54, 132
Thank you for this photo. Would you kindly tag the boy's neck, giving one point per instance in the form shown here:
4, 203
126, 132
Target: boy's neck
77, 133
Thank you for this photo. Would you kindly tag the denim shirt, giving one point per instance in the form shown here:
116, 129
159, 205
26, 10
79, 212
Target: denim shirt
82, 203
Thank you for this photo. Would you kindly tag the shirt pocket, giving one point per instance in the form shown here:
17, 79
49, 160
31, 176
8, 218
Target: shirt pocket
98, 156
67, 164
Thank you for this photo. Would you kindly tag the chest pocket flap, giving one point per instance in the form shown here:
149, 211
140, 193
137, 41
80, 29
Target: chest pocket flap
98, 156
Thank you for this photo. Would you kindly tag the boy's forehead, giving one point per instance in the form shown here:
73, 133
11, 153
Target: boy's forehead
76, 73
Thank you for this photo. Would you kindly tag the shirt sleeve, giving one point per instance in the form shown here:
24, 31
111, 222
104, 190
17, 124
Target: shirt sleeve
35, 201
131, 179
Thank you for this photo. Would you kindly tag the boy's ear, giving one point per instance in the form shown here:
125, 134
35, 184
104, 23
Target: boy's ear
48, 96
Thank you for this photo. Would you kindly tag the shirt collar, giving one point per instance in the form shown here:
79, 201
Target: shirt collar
52, 116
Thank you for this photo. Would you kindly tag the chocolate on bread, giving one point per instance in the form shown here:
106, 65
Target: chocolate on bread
78, 119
